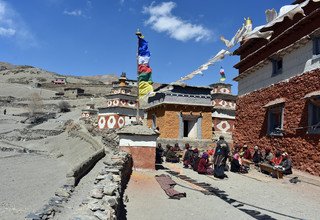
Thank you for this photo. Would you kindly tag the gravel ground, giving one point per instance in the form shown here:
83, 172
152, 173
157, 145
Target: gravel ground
250, 196
27, 182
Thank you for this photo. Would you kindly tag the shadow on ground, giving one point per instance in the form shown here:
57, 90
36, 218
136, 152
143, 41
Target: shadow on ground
209, 190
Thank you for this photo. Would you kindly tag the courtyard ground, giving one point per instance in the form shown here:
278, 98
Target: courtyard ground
241, 196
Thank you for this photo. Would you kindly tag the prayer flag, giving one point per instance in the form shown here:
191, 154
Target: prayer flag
222, 75
144, 70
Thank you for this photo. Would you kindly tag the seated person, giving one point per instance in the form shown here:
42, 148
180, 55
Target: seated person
204, 165
277, 159
171, 156
246, 153
176, 147
236, 166
159, 153
286, 164
167, 149
268, 155
257, 156
236, 150
187, 154
195, 159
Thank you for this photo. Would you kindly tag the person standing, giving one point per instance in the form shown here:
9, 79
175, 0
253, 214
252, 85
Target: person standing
5, 111
220, 157
159, 153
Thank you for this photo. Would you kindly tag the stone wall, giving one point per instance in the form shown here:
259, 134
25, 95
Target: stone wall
106, 199
102, 89
251, 120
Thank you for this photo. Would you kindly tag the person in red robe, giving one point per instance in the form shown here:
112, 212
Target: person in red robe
204, 165
277, 159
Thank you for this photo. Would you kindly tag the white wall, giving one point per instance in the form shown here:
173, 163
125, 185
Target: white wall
298, 61
137, 141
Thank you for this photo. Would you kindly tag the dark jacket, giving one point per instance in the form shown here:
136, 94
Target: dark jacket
257, 157
222, 148
287, 165
235, 166
221, 153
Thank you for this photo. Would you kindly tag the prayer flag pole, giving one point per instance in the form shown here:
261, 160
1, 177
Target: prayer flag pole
138, 33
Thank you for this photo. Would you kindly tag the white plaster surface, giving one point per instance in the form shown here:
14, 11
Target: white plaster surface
296, 62
137, 141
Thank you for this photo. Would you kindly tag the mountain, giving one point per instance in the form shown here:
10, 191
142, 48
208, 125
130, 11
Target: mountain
25, 74
106, 79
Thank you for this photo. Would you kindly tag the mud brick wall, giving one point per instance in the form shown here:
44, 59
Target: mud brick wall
251, 121
168, 119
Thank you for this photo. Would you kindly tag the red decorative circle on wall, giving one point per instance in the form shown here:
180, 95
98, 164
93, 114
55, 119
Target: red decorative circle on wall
121, 122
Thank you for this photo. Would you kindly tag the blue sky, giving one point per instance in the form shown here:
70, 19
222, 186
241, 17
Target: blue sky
82, 37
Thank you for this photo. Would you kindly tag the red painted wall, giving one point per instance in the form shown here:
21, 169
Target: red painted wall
143, 157
251, 121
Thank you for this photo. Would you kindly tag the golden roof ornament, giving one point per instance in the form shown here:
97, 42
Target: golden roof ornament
248, 23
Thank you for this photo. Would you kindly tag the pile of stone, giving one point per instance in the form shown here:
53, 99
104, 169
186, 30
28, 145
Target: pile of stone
54, 205
106, 198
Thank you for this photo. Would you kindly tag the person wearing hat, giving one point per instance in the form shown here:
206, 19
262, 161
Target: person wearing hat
257, 156
286, 164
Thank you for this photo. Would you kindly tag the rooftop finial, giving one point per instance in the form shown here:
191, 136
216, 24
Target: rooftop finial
248, 21
248, 24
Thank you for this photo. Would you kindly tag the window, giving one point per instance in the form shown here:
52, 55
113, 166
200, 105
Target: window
316, 46
154, 121
275, 120
276, 66
190, 128
314, 115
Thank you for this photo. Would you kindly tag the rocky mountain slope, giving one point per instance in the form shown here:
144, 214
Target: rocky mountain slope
24, 74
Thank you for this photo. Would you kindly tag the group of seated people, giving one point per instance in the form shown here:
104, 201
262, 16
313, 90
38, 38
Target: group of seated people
243, 156
240, 158
201, 162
